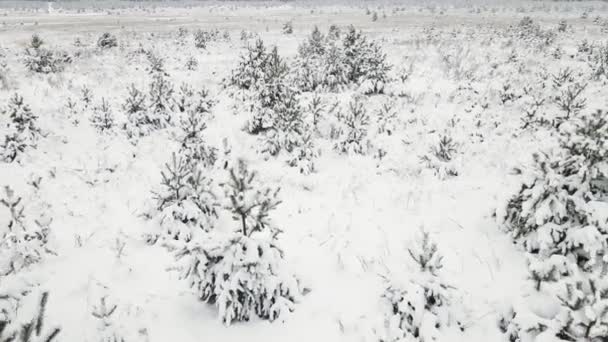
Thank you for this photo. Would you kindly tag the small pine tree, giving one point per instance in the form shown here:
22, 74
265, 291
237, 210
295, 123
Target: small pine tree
23, 242
243, 273
160, 96
353, 129
186, 201
41, 60
422, 307
19, 129
103, 118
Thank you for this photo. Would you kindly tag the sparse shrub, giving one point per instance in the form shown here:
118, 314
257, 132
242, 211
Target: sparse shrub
202, 38
107, 41
387, 118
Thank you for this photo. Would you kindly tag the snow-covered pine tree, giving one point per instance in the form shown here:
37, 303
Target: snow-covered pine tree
270, 93
138, 122
242, 272
250, 70
193, 147
23, 241
107, 41
160, 105
186, 202
287, 126
421, 308
103, 117
19, 129
353, 128
41, 60
556, 217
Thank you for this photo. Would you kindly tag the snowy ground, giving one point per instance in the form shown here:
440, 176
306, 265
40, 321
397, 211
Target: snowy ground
346, 226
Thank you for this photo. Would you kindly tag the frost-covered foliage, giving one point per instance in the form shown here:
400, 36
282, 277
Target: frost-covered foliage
31, 330
41, 60
185, 202
352, 130
441, 157
421, 308
23, 239
18, 129
239, 268
107, 41
333, 62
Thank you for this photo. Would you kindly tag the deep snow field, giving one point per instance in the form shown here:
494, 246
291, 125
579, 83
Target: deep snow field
468, 73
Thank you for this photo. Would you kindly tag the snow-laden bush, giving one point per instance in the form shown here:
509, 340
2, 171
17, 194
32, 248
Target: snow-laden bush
41, 60
18, 129
421, 308
107, 41
242, 271
23, 240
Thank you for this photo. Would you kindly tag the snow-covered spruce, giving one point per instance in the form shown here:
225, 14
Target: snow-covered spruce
23, 240
186, 202
420, 309
333, 62
18, 129
351, 132
240, 268
41, 60
103, 117
556, 217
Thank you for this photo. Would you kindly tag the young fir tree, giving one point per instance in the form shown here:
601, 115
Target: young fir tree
138, 122
251, 68
193, 147
23, 241
103, 117
352, 130
242, 272
19, 129
186, 202
421, 308
270, 93
41, 60
160, 105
